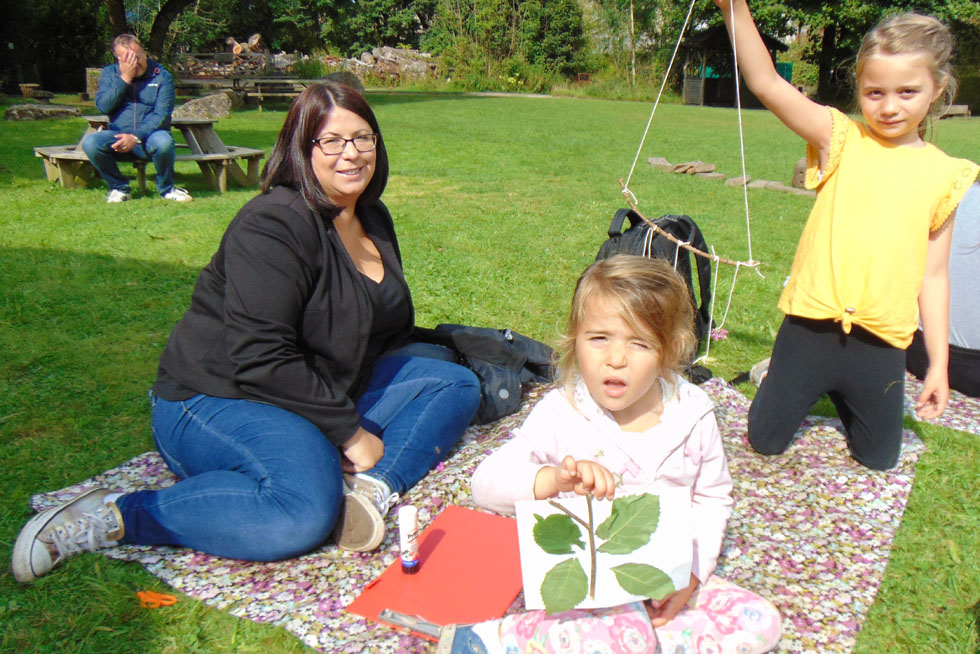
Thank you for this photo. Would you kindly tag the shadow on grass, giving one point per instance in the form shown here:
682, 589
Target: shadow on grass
81, 335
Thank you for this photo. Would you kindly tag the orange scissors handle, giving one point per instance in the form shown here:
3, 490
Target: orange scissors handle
150, 599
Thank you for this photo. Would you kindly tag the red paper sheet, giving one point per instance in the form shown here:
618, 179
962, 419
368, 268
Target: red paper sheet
470, 571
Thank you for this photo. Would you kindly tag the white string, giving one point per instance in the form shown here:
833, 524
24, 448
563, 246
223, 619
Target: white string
731, 293
741, 138
663, 84
711, 309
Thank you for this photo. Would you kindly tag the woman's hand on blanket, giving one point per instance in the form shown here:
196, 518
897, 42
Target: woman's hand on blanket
663, 610
935, 393
584, 477
362, 451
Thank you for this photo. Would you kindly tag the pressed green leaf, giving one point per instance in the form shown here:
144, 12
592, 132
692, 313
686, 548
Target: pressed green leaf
633, 520
557, 533
564, 586
644, 580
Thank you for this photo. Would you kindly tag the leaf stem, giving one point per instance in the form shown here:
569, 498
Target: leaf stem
589, 528
592, 553
570, 514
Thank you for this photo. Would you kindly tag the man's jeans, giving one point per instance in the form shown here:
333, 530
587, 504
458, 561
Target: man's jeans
158, 148
261, 483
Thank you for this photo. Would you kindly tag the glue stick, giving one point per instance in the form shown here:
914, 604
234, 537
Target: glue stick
408, 532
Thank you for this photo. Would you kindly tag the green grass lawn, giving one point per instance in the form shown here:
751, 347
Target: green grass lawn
500, 203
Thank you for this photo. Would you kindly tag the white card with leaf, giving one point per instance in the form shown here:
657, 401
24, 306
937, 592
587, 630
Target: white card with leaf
584, 553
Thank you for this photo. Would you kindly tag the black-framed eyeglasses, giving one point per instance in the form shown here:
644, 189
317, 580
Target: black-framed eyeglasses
336, 145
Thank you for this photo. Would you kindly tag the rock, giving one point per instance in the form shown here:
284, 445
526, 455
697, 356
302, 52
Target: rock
799, 173
40, 111
367, 58
694, 167
737, 181
402, 62
348, 78
42, 96
216, 105
660, 164
792, 190
92, 76
711, 175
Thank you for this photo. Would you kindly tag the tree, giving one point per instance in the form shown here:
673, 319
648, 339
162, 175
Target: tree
840, 26
170, 9
555, 34
50, 42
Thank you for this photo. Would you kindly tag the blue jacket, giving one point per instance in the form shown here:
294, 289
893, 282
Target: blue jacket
138, 108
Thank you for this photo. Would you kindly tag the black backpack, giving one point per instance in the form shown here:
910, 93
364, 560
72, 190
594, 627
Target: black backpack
503, 360
640, 240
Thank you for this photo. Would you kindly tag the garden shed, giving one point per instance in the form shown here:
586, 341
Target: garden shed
708, 68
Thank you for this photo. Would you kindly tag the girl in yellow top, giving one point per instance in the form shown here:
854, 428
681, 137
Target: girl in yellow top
874, 251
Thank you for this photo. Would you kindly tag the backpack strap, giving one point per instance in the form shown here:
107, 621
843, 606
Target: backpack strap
616, 225
704, 270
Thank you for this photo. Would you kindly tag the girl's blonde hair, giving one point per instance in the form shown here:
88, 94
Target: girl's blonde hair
911, 33
648, 294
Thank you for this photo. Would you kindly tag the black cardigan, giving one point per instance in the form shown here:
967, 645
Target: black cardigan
281, 315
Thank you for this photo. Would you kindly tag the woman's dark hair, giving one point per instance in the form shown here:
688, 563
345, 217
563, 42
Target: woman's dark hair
290, 164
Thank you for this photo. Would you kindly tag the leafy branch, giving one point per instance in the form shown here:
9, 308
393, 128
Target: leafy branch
630, 525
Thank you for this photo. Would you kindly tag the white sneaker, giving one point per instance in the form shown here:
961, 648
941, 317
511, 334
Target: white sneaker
361, 527
115, 196
759, 371
86, 523
177, 194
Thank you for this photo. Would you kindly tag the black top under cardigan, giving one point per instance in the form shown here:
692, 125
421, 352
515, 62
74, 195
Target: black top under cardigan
281, 315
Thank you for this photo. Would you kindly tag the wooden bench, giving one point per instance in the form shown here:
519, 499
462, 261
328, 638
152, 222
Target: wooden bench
68, 165
957, 110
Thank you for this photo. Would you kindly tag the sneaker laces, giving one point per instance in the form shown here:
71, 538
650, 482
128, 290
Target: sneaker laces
89, 532
377, 495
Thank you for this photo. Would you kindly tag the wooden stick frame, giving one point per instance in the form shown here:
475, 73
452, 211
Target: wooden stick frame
677, 241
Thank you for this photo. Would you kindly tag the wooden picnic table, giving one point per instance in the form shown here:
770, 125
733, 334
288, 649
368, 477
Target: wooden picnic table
251, 86
68, 164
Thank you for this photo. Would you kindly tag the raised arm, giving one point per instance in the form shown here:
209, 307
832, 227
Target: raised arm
807, 118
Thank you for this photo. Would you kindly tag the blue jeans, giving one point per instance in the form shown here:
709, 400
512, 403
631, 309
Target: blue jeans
261, 483
158, 148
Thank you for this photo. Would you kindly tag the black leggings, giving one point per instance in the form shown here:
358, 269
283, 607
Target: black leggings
964, 365
863, 376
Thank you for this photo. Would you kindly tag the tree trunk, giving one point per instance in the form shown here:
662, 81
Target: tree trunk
632, 48
161, 24
117, 17
826, 60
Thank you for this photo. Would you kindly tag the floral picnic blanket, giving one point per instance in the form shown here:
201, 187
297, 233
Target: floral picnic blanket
962, 411
811, 531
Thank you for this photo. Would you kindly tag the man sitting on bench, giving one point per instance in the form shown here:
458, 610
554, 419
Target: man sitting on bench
138, 95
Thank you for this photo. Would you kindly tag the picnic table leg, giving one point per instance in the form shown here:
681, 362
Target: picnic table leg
237, 173
223, 176
75, 174
208, 174
51, 169
253, 170
140, 175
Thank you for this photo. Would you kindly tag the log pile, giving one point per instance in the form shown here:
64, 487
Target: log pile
251, 59
222, 64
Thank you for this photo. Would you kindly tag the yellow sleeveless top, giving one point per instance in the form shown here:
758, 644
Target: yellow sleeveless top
861, 257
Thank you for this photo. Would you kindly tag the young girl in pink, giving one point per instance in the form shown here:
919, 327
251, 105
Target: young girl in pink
625, 421
873, 254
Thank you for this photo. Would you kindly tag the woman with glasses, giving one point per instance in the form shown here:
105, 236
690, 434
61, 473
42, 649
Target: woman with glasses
282, 401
